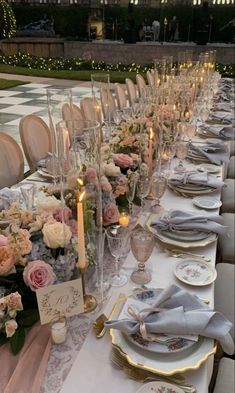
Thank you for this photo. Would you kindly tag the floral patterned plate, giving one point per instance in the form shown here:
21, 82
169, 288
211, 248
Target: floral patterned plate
159, 387
195, 272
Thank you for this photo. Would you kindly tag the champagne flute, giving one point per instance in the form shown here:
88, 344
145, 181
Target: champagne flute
181, 153
117, 237
130, 191
142, 243
143, 187
158, 188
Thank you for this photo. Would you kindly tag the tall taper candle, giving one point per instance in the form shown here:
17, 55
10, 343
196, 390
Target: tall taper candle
81, 236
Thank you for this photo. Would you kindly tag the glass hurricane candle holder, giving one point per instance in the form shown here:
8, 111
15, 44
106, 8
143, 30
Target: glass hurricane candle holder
58, 330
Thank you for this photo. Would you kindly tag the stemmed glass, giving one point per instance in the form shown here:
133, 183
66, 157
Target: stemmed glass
143, 187
117, 241
130, 191
142, 243
158, 187
181, 153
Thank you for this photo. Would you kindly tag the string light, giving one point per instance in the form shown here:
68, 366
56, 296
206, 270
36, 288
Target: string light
79, 64
7, 20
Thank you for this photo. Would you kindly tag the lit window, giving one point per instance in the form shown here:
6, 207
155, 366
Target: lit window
223, 1
218, 1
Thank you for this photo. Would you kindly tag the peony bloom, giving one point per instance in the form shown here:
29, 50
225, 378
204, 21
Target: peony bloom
111, 170
123, 160
105, 185
91, 175
6, 261
13, 301
38, 274
61, 213
110, 214
10, 327
47, 204
3, 240
56, 235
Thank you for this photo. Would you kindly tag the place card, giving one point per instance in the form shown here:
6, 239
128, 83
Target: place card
60, 299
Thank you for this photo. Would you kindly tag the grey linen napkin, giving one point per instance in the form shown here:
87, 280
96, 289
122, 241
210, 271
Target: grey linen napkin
220, 131
181, 220
204, 179
7, 197
216, 153
226, 118
182, 314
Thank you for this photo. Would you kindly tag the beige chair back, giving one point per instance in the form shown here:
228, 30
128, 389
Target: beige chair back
76, 112
108, 104
150, 78
120, 95
90, 109
131, 90
35, 139
11, 161
141, 84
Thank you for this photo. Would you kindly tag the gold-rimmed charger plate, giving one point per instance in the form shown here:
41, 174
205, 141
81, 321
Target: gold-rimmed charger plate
168, 364
191, 193
180, 243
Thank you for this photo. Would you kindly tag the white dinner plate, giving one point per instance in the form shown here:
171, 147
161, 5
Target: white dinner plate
195, 272
210, 168
159, 387
165, 364
207, 202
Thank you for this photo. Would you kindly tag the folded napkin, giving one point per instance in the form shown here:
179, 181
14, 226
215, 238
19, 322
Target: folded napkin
177, 220
25, 372
179, 312
219, 131
216, 153
225, 117
203, 179
8, 196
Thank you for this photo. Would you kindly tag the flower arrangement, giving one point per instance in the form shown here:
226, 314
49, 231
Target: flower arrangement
36, 250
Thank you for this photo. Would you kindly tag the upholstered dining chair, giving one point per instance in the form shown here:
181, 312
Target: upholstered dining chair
11, 161
75, 115
91, 109
35, 139
140, 81
150, 78
120, 95
131, 91
108, 104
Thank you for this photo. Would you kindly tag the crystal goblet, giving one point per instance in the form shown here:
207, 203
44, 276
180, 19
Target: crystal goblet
142, 243
158, 187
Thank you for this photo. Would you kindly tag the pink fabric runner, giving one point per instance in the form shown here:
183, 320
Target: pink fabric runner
24, 372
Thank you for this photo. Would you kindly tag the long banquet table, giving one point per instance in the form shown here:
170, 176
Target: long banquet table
92, 370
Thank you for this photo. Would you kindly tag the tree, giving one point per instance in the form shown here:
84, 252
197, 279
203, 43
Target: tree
7, 20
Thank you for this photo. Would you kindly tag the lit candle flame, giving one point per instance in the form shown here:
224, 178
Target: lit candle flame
150, 133
80, 181
81, 196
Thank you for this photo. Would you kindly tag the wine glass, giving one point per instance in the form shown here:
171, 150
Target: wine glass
142, 243
28, 193
117, 237
158, 187
143, 187
181, 153
130, 190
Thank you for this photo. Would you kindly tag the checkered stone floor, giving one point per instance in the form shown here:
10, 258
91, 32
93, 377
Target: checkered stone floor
27, 99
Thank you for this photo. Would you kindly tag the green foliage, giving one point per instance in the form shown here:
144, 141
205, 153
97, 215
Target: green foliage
7, 20
3, 339
27, 318
17, 340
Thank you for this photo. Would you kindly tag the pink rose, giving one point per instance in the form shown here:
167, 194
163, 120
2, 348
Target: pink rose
73, 226
105, 185
3, 240
6, 260
123, 160
13, 301
90, 175
38, 274
61, 213
110, 214
10, 327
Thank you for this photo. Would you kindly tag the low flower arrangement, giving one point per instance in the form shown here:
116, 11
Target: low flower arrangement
36, 250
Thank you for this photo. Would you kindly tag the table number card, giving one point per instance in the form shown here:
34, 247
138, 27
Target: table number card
60, 299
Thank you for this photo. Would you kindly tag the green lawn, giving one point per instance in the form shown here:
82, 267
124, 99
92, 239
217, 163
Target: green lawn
74, 75
6, 84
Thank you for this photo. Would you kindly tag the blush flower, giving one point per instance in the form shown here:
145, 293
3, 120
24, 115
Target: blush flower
91, 175
61, 213
6, 261
110, 214
105, 185
10, 327
13, 301
123, 160
3, 240
38, 274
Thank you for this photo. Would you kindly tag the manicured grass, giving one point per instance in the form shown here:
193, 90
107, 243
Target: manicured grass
6, 84
74, 75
